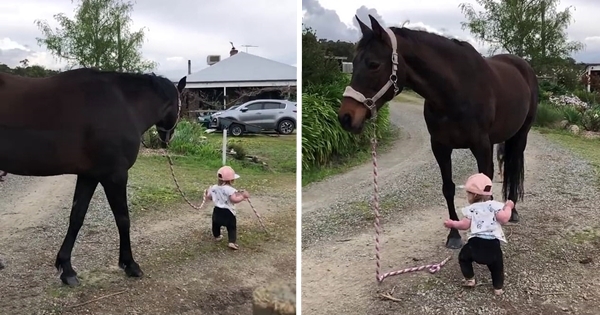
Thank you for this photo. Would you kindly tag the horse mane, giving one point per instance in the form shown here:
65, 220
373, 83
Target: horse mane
423, 37
162, 86
431, 39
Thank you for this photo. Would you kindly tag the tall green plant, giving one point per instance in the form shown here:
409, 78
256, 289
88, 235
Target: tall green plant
323, 138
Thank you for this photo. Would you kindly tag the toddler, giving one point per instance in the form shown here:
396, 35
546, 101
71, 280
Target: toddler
483, 217
224, 196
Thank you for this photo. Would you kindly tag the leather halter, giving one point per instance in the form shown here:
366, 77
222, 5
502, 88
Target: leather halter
370, 102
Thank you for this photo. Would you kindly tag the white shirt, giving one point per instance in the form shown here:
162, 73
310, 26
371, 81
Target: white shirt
483, 220
220, 196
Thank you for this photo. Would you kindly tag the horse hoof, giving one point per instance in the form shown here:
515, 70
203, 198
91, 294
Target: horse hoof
454, 243
514, 217
71, 281
133, 270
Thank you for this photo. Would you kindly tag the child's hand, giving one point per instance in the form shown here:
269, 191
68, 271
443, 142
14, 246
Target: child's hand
449, 223
205, 193
510, 204
245, 194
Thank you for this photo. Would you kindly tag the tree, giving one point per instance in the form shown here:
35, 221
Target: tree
316, 68
26, 70
338, 48
532, 29
99, 36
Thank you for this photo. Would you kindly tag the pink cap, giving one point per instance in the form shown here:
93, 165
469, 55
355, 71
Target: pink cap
479, 184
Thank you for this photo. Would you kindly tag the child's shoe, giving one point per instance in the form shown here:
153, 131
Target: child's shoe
233, 246
469, 283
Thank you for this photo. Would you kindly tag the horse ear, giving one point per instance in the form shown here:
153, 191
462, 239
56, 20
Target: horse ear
181, 84
377, 28
363, 27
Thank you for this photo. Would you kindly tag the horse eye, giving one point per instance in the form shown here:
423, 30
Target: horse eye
373, 65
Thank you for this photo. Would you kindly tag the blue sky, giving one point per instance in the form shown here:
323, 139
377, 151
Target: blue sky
334, 19
178, 30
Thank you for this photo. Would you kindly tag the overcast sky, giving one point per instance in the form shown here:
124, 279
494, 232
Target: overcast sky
334, 19
178, 30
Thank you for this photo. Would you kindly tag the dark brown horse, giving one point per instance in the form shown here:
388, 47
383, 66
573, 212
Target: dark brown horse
88, 123
471, 102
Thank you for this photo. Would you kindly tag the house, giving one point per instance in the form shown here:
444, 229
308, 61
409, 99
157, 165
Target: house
592, 75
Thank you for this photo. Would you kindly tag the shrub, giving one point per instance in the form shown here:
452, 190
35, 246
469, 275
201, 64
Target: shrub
547, 87
317, 69
571, 114
588, 97
568, 101
547, 115
323, 138
240, 151
189, 139
590, 119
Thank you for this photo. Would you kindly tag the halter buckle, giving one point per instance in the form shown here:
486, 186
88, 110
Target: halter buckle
395, 58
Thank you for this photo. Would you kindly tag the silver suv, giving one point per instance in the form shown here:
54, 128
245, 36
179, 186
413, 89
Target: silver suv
268, 114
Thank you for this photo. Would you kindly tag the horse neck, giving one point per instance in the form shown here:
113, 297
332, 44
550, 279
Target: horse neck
433, 70
149, 110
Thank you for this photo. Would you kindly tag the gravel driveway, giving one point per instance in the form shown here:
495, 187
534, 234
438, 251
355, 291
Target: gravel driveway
185, 271
550, 258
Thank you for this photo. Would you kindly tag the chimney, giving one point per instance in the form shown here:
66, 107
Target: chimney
233, 51
189, 67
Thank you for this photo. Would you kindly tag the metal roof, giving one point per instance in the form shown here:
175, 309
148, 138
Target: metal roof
243, 69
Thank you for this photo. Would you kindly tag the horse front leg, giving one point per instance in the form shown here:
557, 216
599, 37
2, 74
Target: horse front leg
443, 156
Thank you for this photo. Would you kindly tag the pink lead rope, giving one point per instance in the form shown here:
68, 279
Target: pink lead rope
432, 268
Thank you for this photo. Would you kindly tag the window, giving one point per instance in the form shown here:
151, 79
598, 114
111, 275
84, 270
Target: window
274, 105
255, 106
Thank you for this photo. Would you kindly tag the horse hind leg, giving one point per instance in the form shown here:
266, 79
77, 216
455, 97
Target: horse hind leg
443, 156
84, 190
514, 167
115, 188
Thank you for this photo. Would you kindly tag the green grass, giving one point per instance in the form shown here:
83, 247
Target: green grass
251, 237
152, 186
343, 164
585, 148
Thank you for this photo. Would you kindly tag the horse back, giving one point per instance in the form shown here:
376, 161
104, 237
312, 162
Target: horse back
65, 99
71, 122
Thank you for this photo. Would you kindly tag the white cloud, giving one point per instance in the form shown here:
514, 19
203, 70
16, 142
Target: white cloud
331, 18
175, 32
6, 44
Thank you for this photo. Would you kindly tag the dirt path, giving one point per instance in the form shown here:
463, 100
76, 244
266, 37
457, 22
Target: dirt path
185, 271
544, 273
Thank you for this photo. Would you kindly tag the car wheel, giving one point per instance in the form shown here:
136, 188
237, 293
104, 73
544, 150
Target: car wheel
285, 127
236, 130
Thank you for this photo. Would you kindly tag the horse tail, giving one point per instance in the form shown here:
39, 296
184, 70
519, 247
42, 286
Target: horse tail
514, 149
514, 167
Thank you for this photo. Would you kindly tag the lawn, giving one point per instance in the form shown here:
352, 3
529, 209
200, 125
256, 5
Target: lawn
586, 148
152, 187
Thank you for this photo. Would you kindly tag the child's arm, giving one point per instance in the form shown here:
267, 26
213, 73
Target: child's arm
504, 215
463, 224
239, 196
207, 195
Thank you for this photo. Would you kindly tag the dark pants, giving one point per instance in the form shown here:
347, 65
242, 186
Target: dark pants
224, 217
484, 252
